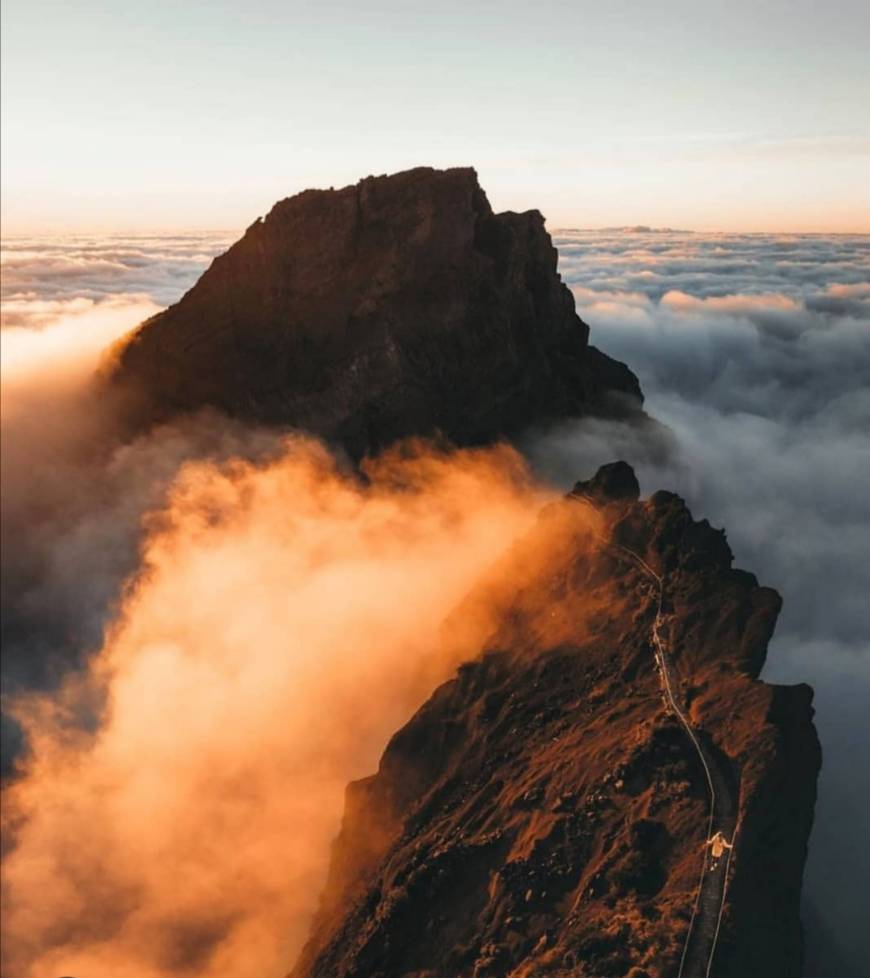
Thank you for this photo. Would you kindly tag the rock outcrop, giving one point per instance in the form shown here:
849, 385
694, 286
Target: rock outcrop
399, 306
546, 812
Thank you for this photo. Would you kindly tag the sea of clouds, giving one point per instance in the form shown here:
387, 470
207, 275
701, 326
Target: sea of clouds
37, 270
753, 349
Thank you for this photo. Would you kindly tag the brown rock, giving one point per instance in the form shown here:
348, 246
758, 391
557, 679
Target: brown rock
398, 306
544, 814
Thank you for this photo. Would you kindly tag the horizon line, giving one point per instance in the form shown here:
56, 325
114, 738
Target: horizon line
191, 232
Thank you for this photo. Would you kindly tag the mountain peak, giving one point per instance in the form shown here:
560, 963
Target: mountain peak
400, 305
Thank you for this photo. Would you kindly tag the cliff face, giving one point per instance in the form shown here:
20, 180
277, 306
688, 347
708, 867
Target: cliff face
547, 811
398, 306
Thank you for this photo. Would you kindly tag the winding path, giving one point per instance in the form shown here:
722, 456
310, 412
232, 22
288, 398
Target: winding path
703, 934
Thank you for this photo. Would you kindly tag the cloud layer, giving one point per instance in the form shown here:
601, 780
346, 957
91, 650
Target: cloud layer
40, 270
754, 349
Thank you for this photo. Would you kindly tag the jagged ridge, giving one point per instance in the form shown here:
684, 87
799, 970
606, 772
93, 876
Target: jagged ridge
544, 813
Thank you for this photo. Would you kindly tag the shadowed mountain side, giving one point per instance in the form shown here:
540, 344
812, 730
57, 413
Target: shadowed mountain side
546, 813
398, 306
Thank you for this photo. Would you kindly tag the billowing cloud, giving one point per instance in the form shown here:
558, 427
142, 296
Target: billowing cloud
73, 499
284, 623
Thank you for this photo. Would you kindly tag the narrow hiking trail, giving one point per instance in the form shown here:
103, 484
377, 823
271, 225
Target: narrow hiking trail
703, 934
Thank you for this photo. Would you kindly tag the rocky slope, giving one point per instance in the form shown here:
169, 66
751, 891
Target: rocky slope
401, 305
546, 812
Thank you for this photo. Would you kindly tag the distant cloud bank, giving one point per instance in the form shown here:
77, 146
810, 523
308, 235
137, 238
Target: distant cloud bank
37, 271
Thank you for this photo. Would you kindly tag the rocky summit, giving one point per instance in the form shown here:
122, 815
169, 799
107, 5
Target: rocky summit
606, 790
399, 306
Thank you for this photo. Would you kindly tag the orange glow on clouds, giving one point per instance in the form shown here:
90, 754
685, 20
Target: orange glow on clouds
283, 625
55, 339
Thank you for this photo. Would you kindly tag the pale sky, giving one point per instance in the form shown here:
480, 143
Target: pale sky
746, 115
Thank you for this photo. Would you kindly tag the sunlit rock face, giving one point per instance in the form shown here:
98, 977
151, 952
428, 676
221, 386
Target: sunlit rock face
546, 812
401, 305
